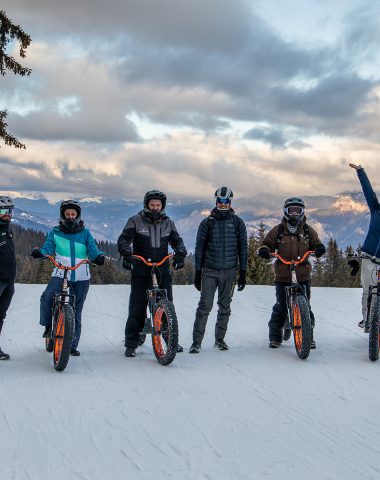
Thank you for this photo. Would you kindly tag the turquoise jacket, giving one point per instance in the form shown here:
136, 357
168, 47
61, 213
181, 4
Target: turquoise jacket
69, 249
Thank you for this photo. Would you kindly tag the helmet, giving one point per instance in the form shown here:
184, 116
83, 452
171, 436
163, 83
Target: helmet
66, 204
294, 211
6, 202
154, 195
224, 195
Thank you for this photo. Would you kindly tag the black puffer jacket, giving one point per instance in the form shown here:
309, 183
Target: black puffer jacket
7, 254
150, 239
222, 246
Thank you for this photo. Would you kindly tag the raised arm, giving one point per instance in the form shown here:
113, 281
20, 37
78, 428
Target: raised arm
369, 194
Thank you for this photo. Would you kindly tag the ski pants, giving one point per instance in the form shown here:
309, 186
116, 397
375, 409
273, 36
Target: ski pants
7, 289
280, 310
138, 302
368, 276
212, 280
79, 289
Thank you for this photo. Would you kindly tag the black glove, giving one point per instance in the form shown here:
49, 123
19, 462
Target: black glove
242, 280
36, 253
264, 253
354, 265
178, 262
128, 261
198, 280
319, 250
99, 260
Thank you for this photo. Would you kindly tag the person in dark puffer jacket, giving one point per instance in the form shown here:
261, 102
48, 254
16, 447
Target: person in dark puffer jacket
148, 234
7, 262
220, 246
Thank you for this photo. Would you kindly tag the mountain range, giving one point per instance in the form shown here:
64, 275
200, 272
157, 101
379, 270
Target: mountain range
344, 217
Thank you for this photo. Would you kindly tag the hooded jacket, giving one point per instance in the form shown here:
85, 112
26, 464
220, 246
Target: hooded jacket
7, 254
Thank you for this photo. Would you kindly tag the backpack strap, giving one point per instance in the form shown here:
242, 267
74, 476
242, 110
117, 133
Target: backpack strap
281, 230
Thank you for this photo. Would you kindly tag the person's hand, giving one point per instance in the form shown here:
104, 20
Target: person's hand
36, 253
128, 261
198, 280
99, 260
264, 253
355, 167
178, 262
354, 265
242, 280
319, 250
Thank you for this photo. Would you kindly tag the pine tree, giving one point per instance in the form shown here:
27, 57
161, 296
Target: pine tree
9, 32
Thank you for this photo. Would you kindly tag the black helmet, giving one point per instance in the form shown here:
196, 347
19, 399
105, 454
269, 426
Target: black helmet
224, 195
154, 195
66, 204
294, 211
6, 202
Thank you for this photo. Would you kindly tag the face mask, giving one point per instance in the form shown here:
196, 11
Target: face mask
155, 214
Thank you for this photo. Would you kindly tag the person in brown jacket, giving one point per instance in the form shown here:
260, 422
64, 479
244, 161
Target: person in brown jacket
292, 238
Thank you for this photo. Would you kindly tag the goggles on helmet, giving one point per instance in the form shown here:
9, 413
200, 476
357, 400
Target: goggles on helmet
225, 200
6, 211
294, 210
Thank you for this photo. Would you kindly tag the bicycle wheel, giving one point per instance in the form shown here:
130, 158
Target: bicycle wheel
301, 326
374, 334
63, 335
165, 332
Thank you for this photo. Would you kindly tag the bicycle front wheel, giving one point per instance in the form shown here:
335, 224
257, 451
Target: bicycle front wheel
63, 335
301, 326
165, 332
374, 334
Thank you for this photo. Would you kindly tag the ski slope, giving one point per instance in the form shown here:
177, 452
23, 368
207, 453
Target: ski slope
247, 413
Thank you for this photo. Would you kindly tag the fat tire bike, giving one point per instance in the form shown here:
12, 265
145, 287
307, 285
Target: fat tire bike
299, 320
60, 338
161, 320
372, 325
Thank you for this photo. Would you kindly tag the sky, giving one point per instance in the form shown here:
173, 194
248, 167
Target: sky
265, 96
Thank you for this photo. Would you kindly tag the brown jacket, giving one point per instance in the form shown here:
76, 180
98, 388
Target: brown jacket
291, 247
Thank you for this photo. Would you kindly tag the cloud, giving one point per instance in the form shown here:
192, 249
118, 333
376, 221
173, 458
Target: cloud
274, 137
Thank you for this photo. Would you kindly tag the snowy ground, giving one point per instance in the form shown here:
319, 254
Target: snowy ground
248, 413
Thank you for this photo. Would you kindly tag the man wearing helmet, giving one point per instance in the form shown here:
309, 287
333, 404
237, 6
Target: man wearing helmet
70, 242
7, 262
220, 246
148, 234
292, 238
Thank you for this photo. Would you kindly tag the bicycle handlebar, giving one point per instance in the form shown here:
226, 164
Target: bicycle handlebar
373, 259
153, 264
64, 267
292, 262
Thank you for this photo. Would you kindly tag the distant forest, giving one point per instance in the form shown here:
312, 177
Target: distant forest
329, 271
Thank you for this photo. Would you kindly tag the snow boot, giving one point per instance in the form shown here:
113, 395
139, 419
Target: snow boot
274, 344
130, 352
4, 356
195, 348
74, 352
221, 344
179, 348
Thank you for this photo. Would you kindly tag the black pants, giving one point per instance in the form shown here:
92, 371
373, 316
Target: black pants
280, 312
7, 289
138, 302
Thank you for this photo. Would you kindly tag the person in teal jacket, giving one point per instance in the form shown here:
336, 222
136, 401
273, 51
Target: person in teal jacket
70, 242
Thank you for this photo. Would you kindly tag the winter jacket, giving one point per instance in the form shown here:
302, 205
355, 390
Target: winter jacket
7, 254
69, 249
291, 247
221, 245
371, 243
149, 238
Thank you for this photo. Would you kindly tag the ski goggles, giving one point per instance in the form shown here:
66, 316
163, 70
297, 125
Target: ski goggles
224, 200
6, 211
294, 210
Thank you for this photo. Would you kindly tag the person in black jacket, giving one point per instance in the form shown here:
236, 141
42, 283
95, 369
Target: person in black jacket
7, 262
148, 234
221, 243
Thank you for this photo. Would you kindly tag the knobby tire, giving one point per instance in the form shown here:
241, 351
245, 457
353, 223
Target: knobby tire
301, 326
165, 332
63, 335
374, 334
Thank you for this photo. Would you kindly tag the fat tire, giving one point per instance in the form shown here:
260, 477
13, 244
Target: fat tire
373, 340
304, 309
69, 319
171, 341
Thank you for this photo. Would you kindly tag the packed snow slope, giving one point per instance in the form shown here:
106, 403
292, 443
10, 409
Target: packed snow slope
247, 413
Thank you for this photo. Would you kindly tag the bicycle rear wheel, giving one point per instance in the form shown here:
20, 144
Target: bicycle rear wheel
165, 332
301, 326
374, 334
63, 335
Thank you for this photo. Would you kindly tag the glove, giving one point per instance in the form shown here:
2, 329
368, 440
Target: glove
36, 253
99, 260
319, 250
354, 265
198, 280
128, 261
178, 262
242, 280
264, 253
